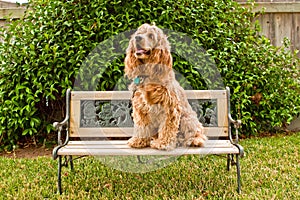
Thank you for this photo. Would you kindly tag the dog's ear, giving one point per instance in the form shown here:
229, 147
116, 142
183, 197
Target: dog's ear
162, 57
131, 62
166, 58
161, 54
160, 63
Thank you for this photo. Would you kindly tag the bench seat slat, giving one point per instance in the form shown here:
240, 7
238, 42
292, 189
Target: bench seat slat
119, 147
125, 146
121, 143
147, 151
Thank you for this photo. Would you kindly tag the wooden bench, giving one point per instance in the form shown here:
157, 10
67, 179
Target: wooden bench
99, 124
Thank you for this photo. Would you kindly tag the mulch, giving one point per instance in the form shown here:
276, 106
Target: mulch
30, 152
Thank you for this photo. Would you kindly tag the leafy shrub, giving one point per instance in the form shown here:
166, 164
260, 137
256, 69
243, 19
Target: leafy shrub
41, 55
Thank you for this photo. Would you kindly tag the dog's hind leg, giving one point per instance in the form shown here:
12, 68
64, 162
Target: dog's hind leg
192, 130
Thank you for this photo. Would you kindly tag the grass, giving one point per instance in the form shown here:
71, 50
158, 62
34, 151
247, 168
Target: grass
270, 170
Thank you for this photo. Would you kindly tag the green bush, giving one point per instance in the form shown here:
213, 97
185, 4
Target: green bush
41, 55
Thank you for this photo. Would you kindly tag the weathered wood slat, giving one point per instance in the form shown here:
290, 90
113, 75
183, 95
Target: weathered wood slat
122, 144
128, 132
295, 39
123, 95
275, 7
222, 112
146, 151
100, 95
12, 13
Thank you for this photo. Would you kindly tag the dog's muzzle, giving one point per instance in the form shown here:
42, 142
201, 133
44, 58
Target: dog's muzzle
140, 50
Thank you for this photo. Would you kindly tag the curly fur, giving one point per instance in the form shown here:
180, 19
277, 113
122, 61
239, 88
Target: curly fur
162, 116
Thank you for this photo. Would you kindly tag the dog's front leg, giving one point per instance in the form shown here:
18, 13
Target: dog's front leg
142, 129
142, 136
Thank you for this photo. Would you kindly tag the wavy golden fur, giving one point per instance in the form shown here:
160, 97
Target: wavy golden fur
162, 116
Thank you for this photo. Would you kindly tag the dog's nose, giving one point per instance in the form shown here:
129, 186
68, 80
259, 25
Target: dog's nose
138, 38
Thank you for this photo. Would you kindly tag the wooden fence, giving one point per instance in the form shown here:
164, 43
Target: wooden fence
10, 10
279, 20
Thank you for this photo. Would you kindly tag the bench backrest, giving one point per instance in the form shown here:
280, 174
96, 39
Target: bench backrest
108, 113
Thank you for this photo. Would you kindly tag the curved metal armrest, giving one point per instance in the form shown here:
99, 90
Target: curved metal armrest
59, 126
237, 124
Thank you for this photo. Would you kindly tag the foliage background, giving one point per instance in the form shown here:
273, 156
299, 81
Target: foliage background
41, 55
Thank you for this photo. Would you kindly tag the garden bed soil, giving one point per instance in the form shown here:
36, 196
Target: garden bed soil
28, 152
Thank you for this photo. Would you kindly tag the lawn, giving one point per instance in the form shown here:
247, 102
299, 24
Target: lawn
270, 170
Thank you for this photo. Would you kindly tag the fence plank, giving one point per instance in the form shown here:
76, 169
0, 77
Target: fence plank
275, 7
278, 21
13, 13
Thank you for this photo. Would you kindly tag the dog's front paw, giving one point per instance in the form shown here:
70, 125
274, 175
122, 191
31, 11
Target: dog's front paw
198, 141
158, 144
136, 142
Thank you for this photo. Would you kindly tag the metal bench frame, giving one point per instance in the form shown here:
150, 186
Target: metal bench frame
70, 127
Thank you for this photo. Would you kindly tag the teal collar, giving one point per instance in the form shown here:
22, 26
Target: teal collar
139, 80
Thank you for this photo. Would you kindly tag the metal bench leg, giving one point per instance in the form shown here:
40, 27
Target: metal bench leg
229, 158
71, 163
59, 175
235, 162
238, 170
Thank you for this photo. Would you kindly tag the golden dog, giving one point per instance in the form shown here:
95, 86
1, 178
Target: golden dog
162, 115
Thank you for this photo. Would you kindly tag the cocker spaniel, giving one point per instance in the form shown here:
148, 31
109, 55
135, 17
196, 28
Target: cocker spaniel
162, 115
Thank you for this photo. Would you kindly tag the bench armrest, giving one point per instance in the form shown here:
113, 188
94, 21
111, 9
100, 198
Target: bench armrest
237, 123
64, 125
59, 126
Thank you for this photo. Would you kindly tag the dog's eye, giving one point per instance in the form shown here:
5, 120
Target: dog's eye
151, 36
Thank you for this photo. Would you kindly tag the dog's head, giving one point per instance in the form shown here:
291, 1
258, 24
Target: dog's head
148, 38
147, 46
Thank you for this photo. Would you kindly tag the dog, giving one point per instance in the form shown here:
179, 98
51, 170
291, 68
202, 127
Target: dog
163, 118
